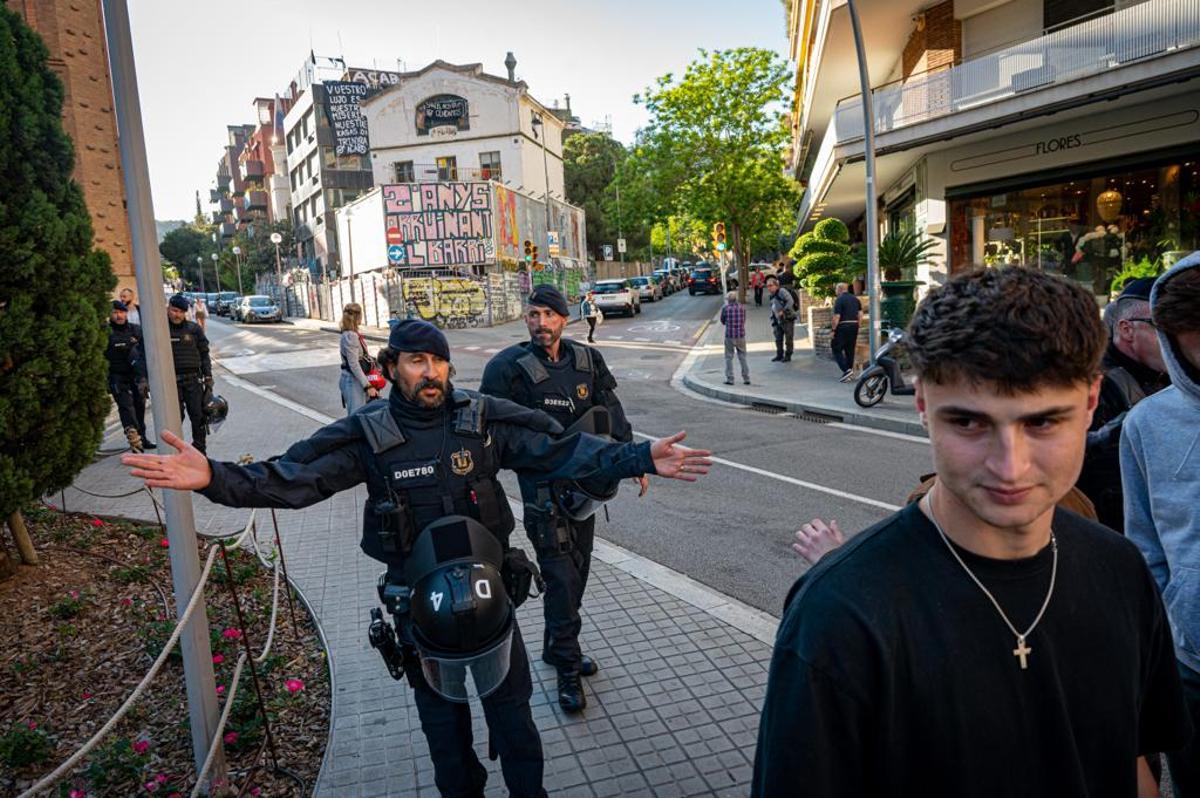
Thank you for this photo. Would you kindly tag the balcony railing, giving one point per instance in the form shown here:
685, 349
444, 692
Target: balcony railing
1146, 30
256, 199
432, 173
252, 170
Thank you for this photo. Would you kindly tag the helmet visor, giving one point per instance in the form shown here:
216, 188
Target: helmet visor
463, 678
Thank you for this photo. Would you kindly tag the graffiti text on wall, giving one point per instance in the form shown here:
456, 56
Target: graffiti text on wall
440, 224
349, 124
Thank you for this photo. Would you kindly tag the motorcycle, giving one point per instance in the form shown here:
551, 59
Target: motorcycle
883, 375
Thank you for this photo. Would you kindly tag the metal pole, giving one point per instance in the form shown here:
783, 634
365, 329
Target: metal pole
279, 282
237, 254
198, 677
546, 178
200, 265
350, 252
617, 184
869, 162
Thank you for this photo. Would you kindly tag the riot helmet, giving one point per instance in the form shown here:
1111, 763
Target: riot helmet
216, 408
460, 614
580, 498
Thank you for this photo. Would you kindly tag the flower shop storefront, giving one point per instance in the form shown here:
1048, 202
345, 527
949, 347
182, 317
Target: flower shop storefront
1086, 224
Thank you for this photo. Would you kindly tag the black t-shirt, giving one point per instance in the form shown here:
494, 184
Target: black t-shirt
847, 307
894, 675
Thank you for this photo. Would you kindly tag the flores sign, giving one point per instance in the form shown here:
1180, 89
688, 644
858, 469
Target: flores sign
443, 110
346, 118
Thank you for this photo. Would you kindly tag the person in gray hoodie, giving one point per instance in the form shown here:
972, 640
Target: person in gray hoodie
1160, 475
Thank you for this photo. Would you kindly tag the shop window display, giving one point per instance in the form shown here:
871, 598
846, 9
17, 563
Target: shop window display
1086, 228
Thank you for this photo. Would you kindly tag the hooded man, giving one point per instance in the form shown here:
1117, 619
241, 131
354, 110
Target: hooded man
1160, 473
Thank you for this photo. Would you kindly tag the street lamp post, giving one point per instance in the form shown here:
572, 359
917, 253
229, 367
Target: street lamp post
537, 123
869, 162
237, 253
200, 268
217, 272
276, 239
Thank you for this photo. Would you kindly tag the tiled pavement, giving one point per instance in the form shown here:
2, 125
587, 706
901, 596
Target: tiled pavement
673, 710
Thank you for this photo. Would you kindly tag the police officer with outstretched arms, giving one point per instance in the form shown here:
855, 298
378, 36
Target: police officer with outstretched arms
193, 368
566, 380
437, 516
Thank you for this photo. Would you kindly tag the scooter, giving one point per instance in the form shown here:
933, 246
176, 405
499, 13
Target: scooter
883, 375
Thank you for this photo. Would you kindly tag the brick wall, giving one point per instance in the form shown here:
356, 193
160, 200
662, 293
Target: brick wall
74, 33
934, 45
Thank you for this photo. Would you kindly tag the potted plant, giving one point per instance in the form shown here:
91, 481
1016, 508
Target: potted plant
899, 256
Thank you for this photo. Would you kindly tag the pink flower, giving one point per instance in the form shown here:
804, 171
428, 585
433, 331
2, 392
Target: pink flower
31, 725
218, 659
76, 793
86, 695
161, 778
151, 786
294, 685
127, 602
97, 522
256, 791
230, 738
74, 594
141, 746
164, 543
174, 795
232, 634
220, 689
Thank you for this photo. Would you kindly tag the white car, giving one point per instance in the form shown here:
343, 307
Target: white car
617, 296
647, 288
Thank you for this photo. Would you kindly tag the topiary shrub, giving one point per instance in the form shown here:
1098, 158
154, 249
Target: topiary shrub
823, 257
54, 287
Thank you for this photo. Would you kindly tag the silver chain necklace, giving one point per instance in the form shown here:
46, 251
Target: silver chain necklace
1022, 651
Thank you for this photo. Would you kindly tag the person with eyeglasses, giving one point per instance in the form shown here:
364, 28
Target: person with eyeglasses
1133, 369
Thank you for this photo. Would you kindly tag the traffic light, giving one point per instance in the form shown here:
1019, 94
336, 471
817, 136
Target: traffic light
530, 249
536, 263
719, 236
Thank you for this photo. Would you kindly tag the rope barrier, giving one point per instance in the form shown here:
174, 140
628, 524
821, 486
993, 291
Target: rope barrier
219, 733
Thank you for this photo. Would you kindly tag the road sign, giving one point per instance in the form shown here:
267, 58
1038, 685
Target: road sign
720, 246
608, 253
552, 242
394, 236
621, 245
396, 253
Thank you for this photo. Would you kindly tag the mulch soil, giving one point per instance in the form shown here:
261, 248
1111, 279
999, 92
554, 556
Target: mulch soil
80, 631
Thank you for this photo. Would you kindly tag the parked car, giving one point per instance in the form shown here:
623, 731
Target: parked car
703, 280
647, 287
257, 308
671, 281
617, 296
731, 278
226, 302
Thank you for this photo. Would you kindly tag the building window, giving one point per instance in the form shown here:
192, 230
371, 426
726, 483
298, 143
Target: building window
330, 160
489, 165
352, 163
304, 124
447, 168
404, 172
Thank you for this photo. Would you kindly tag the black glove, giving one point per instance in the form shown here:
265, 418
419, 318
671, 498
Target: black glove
208, 382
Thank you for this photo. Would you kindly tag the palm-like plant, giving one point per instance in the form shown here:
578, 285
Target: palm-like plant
897, 252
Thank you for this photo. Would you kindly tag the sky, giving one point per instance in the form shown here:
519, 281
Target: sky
200, 65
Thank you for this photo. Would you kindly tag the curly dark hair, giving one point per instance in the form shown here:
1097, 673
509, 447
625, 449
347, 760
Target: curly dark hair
1176, 303
1012, 327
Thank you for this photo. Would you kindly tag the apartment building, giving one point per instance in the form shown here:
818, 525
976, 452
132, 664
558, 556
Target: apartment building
1062, 134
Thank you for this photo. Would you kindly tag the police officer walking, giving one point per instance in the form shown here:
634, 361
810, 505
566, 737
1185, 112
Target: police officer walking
193, 369
127, 375
564, 379
437, 516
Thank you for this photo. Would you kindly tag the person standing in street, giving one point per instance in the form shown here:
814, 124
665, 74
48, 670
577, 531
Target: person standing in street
783, 320
981, 641
127, 375
193, 369
134, 311
846, 310
1160, 471
430, 457
591, 314
757, 282
733, 316
566, 380
356, 390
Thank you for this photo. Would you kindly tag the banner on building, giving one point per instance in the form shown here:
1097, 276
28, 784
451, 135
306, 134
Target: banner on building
346, 118
443, 110
439, 224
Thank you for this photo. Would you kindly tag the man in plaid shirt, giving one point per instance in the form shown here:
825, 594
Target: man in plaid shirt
733, 316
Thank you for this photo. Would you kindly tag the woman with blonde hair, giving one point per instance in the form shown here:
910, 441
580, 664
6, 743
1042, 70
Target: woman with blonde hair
356, 389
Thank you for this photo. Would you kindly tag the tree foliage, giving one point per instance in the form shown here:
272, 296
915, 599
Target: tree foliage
183, 245
54, 286
823, 257
589, 165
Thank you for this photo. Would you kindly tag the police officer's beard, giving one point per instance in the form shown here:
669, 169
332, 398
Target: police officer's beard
415, 397
547, 342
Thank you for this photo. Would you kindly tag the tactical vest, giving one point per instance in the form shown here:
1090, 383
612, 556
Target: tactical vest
564, 394
184, 350
416, 477
122, 348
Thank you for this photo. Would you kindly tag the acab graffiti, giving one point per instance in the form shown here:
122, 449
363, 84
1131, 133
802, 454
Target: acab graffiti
440, 224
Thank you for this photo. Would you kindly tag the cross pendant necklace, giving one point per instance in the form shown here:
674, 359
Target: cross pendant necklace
1022, 651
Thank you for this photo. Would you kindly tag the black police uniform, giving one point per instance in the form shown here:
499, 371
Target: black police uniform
565, 389
422, 465
193, 374
127, 374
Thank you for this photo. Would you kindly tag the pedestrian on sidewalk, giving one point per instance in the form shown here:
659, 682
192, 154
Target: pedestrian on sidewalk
430, 457
134, 311
567, 381
193, 368
355, 388
591, 314
846, 310
127, 375
758, 282
733, 316
783, 320
945, 650
1160, 443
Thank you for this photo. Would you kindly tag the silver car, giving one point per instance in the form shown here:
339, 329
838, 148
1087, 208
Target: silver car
257, 308
647, 287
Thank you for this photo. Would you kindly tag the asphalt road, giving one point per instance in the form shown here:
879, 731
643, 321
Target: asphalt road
732, 529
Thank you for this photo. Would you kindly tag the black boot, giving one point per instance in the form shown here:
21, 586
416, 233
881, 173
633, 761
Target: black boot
570, 691
588, 666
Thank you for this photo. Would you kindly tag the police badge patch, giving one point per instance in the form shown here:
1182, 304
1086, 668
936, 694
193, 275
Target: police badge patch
461, 462
581, 390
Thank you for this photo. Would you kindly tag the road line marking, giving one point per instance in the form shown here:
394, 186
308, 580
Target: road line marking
642, 340
471, 348
883, 432
492, 351
616, 338
793, 481
271, 396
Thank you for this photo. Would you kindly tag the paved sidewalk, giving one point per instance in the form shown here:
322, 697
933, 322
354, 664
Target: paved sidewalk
672, 712
808, 384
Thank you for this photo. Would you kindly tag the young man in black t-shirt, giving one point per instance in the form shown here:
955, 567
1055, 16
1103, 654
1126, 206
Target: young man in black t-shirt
980, 642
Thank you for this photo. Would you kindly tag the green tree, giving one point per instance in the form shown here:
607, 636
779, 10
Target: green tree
823, 257
713, 149
182, 246
258, 253
589, 165
54, 288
